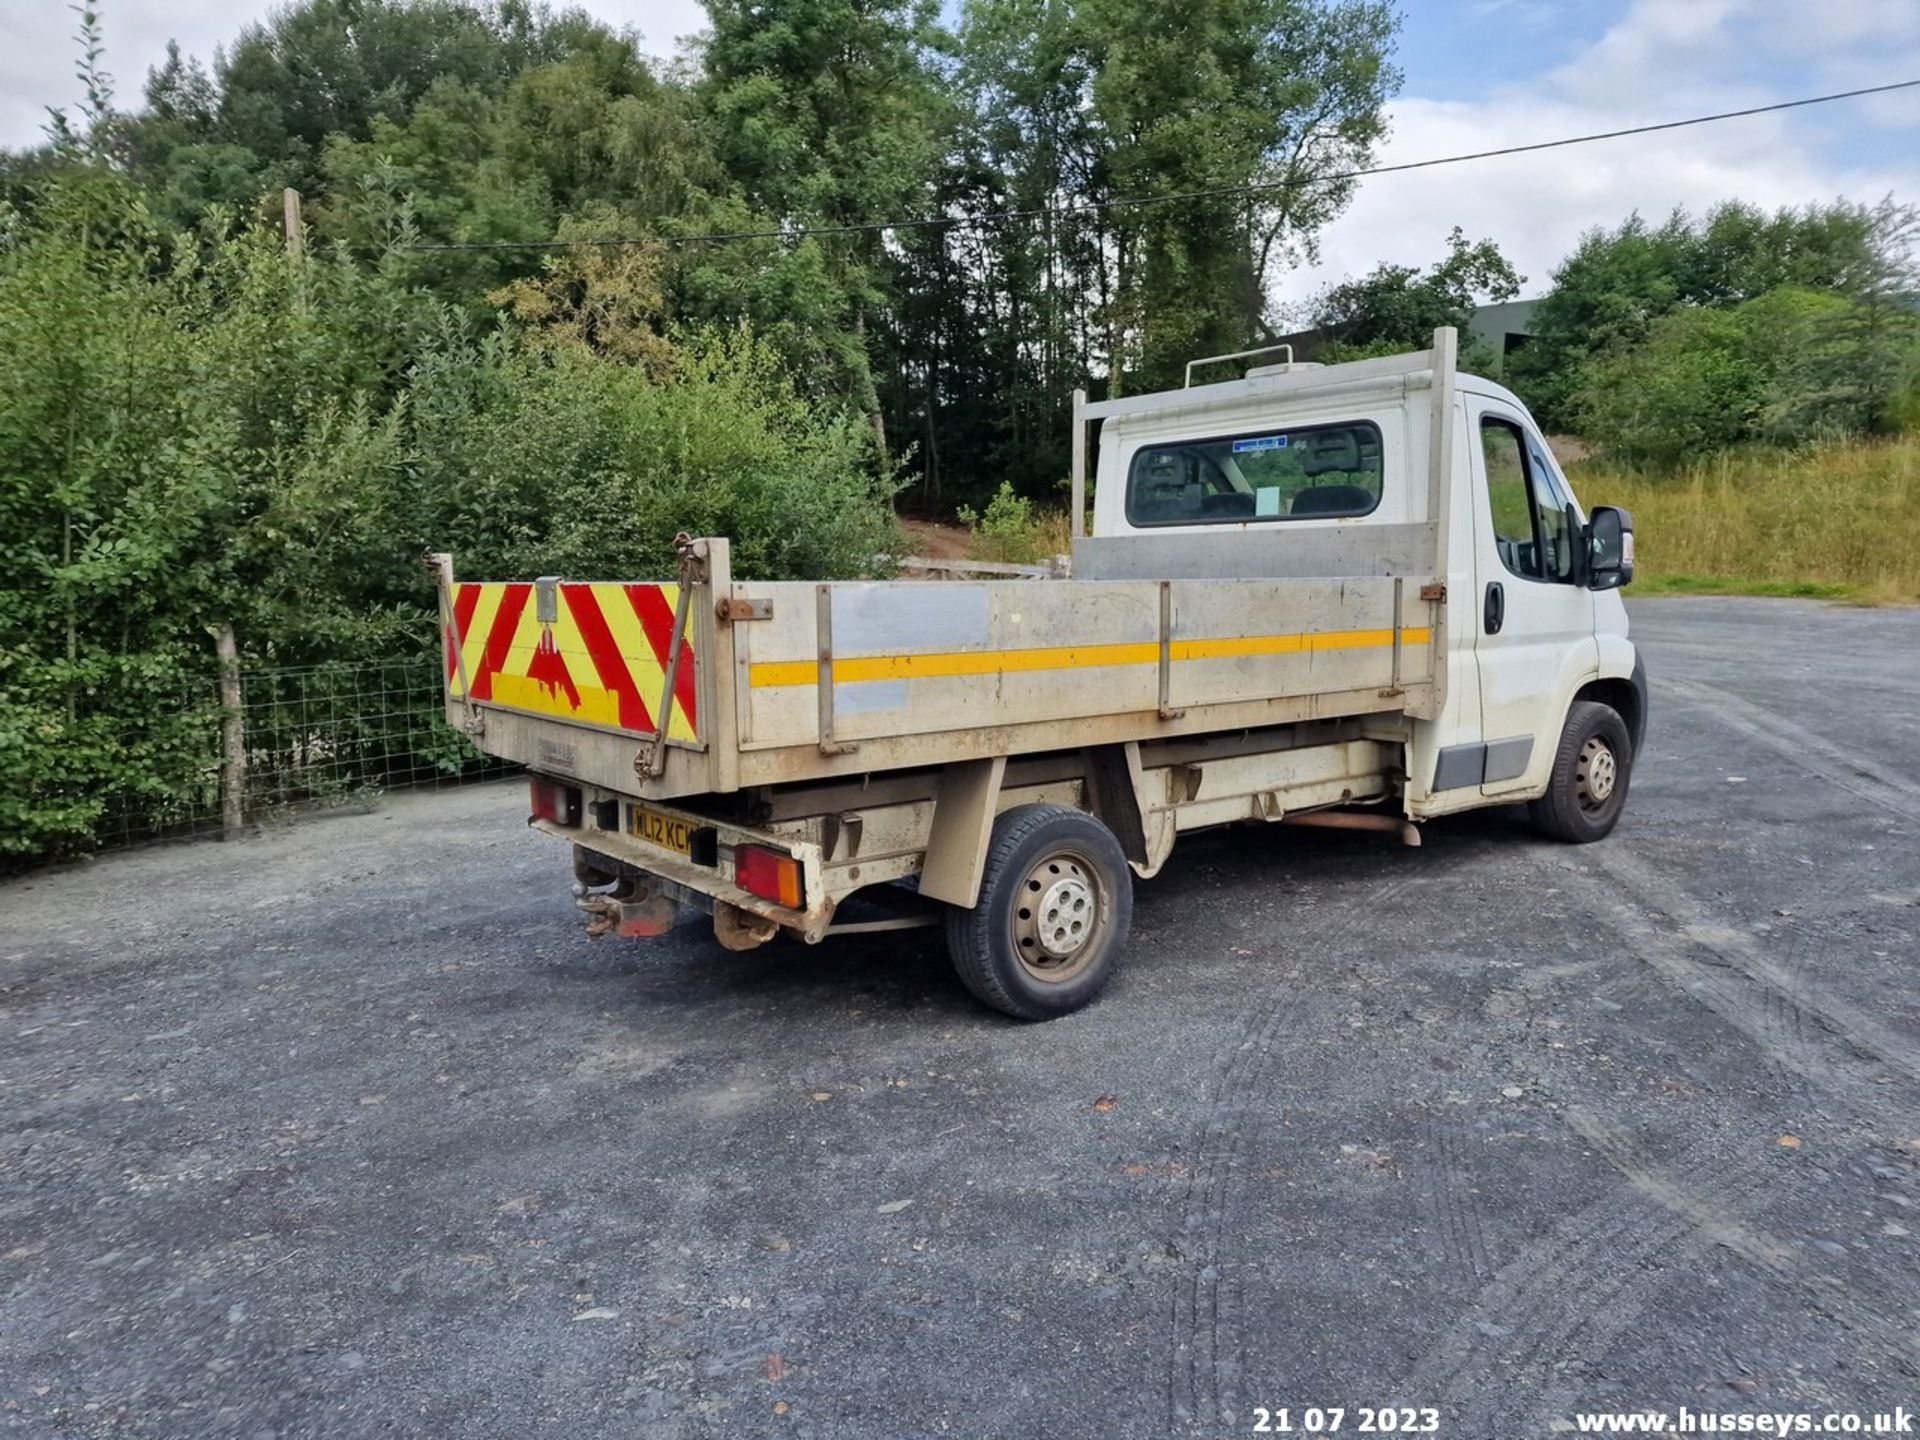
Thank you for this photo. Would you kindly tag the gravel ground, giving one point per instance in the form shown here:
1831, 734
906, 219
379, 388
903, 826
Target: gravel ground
350, 1131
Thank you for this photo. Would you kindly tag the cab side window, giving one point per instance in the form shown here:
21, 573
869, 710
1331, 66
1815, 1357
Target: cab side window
1550, 501
1530, 528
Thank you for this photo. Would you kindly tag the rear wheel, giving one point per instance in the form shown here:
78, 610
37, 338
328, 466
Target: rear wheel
1591, 769
1056, 899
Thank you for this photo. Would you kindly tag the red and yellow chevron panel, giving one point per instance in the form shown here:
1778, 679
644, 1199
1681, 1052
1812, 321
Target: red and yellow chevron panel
603, 661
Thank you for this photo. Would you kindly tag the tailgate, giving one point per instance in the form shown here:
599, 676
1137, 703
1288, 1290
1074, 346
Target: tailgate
588, 653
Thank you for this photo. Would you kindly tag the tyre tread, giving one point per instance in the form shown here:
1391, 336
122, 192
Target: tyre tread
1556, 814
969, 937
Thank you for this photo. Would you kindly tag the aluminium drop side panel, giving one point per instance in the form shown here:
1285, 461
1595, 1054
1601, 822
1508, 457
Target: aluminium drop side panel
915, 658
928, 674
1242, 638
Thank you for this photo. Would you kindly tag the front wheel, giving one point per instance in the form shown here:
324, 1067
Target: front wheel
1056, 899
1591, 769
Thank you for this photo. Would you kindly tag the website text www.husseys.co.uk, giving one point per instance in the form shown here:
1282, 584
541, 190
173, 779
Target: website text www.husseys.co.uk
1710, 1422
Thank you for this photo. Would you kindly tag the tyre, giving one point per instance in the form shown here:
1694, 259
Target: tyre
1056, 899
1591, 769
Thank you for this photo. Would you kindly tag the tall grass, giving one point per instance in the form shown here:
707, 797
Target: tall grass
1839, 520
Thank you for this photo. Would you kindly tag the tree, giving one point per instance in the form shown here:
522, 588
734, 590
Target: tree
827, 113
1078, 111
323, 68
1396, 307
1278, 94
1609, 293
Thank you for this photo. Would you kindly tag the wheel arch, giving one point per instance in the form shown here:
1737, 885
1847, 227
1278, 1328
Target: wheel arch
1625, 695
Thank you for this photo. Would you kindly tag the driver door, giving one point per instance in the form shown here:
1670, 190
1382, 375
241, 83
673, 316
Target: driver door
1534, 617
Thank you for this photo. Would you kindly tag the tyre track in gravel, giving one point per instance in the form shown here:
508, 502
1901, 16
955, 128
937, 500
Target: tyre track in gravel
1204, 1324
1206, 1339
1590, 1276
1589, 1271
1577, 1288
1726, 970
1861, 1307
1859, 775
1456, 1214
1773, 1002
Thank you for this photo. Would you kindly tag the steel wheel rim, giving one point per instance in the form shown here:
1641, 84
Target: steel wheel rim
1597, 774
1059, 912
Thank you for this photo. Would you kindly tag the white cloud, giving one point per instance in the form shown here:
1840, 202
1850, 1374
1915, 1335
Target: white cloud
1664, 60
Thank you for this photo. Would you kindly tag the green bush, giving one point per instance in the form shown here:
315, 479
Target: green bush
567, 464
1787, 367
1008, 531
202, 430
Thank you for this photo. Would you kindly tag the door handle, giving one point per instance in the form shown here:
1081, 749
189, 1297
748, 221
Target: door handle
1496, 607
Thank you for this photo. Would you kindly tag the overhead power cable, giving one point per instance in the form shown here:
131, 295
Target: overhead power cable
1118, 202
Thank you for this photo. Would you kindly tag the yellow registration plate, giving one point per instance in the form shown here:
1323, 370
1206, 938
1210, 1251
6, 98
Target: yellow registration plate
665, 831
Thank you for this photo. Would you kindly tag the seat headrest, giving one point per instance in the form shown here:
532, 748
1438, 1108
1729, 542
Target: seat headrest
1333, 500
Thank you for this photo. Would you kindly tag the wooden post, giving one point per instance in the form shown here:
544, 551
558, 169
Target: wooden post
233, 735
296, 233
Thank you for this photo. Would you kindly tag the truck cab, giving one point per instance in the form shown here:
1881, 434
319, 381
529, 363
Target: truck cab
1298, 470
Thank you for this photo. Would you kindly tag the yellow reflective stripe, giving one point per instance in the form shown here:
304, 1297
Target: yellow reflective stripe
526, 638
771, 674
955, 662
1314, 642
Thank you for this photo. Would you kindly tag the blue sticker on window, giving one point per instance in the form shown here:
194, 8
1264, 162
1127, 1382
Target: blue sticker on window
1264, 442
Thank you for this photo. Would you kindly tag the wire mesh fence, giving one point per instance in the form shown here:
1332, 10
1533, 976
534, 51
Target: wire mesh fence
313, 736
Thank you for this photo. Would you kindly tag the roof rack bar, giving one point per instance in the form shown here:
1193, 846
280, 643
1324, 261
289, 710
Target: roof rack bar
1236, 355
1413, 371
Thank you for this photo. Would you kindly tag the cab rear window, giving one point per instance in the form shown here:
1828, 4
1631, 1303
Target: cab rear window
1311, 472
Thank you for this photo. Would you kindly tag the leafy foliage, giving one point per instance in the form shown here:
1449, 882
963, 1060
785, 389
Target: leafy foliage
1788, 366
211, 432
1608, 296
1397, 308
1008, 530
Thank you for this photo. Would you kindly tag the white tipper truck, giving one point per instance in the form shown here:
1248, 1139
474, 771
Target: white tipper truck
1356, 595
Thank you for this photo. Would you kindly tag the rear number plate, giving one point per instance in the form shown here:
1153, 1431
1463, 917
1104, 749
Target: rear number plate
662, 830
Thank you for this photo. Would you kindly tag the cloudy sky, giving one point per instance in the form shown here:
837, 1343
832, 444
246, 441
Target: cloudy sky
1479, 74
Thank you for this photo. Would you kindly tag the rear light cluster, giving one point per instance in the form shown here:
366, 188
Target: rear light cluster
553, 802
768, 874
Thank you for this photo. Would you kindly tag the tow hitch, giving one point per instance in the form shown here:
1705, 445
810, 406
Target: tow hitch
629, 909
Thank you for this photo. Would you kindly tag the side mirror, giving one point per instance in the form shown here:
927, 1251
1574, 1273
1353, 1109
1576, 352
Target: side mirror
1609, 548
